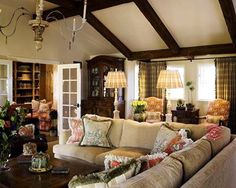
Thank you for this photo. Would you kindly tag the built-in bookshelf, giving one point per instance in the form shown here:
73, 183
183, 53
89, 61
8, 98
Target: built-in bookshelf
26, 82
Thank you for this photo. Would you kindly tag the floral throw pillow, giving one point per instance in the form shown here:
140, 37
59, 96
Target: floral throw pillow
111, 161
77, 131
95, 132
164, 136
179, 142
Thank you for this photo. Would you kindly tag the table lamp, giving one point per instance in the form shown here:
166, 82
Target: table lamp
168, 79
116, 79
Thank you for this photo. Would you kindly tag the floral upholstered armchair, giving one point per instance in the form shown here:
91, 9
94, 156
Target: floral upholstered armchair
154, 109
218, 112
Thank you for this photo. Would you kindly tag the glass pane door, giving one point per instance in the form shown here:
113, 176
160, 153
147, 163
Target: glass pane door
5, 81
70, 95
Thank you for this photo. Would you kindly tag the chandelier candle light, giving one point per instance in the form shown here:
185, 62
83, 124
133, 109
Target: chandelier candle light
116, 79
168, 79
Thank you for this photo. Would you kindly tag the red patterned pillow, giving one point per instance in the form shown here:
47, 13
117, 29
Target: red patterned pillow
214, 132
179, 142
77, 131
114, 161
27, 130
148, 161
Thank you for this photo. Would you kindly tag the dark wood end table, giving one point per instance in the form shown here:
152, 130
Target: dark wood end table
19, 176
186, 116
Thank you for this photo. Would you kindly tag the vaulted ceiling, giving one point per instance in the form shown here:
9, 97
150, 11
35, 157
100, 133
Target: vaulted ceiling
150, 29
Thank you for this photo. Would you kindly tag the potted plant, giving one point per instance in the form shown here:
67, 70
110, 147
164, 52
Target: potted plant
139, 108
53, 129
180, 105
191, 88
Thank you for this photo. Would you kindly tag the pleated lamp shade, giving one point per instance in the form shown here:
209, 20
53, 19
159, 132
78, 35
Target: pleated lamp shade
169, 79
115, 79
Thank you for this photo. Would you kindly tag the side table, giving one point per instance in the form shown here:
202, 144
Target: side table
186, 116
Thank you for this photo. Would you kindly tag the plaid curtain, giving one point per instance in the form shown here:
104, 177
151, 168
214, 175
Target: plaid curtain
148, 75
226, 85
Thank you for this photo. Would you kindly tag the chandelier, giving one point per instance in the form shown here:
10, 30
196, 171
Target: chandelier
38, 25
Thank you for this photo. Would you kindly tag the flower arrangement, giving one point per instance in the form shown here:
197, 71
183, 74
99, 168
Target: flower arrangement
10, 120
139, 106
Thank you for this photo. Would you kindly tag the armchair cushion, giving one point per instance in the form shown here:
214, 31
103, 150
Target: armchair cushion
214, 119
153, 116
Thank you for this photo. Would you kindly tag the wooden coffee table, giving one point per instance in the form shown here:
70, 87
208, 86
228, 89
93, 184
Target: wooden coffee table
19, 175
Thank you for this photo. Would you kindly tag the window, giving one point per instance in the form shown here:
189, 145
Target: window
176, 93
206, 80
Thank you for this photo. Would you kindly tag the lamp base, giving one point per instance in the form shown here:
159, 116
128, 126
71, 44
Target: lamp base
116, 114
168, 117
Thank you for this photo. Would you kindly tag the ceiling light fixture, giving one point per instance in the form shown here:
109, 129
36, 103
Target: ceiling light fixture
38, 25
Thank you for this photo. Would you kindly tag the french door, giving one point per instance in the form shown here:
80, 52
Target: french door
69, 94
5, 81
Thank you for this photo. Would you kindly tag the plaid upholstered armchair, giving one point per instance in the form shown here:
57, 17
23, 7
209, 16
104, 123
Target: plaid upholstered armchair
154, 109
217, 112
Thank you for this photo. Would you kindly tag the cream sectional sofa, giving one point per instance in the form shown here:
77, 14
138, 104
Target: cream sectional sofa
204, 164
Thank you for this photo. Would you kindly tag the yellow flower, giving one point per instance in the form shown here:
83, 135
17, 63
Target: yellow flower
139, 106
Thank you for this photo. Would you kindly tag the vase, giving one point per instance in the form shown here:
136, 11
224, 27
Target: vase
4, 156
140, 117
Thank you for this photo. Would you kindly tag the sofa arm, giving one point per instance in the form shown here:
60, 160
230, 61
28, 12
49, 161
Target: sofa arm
64, 135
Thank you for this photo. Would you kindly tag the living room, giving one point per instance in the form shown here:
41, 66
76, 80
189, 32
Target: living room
144, 35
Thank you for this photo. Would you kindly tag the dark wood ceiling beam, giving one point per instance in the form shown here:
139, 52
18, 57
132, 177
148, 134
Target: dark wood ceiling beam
184, 52
106, 33
228, 10
70, 4
102, 4
157, 24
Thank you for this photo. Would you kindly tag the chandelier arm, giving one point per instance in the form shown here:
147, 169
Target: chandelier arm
81, 26
64, 18
14, 13
14, 30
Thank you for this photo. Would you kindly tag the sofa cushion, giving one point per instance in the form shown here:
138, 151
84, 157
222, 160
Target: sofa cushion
116, 131
168, 173
219, 137
122, 151
197, 131
73, 150
193, 157
96, 132
139, 135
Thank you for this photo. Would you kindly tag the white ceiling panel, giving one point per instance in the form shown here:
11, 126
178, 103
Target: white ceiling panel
193, 22
129, 25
